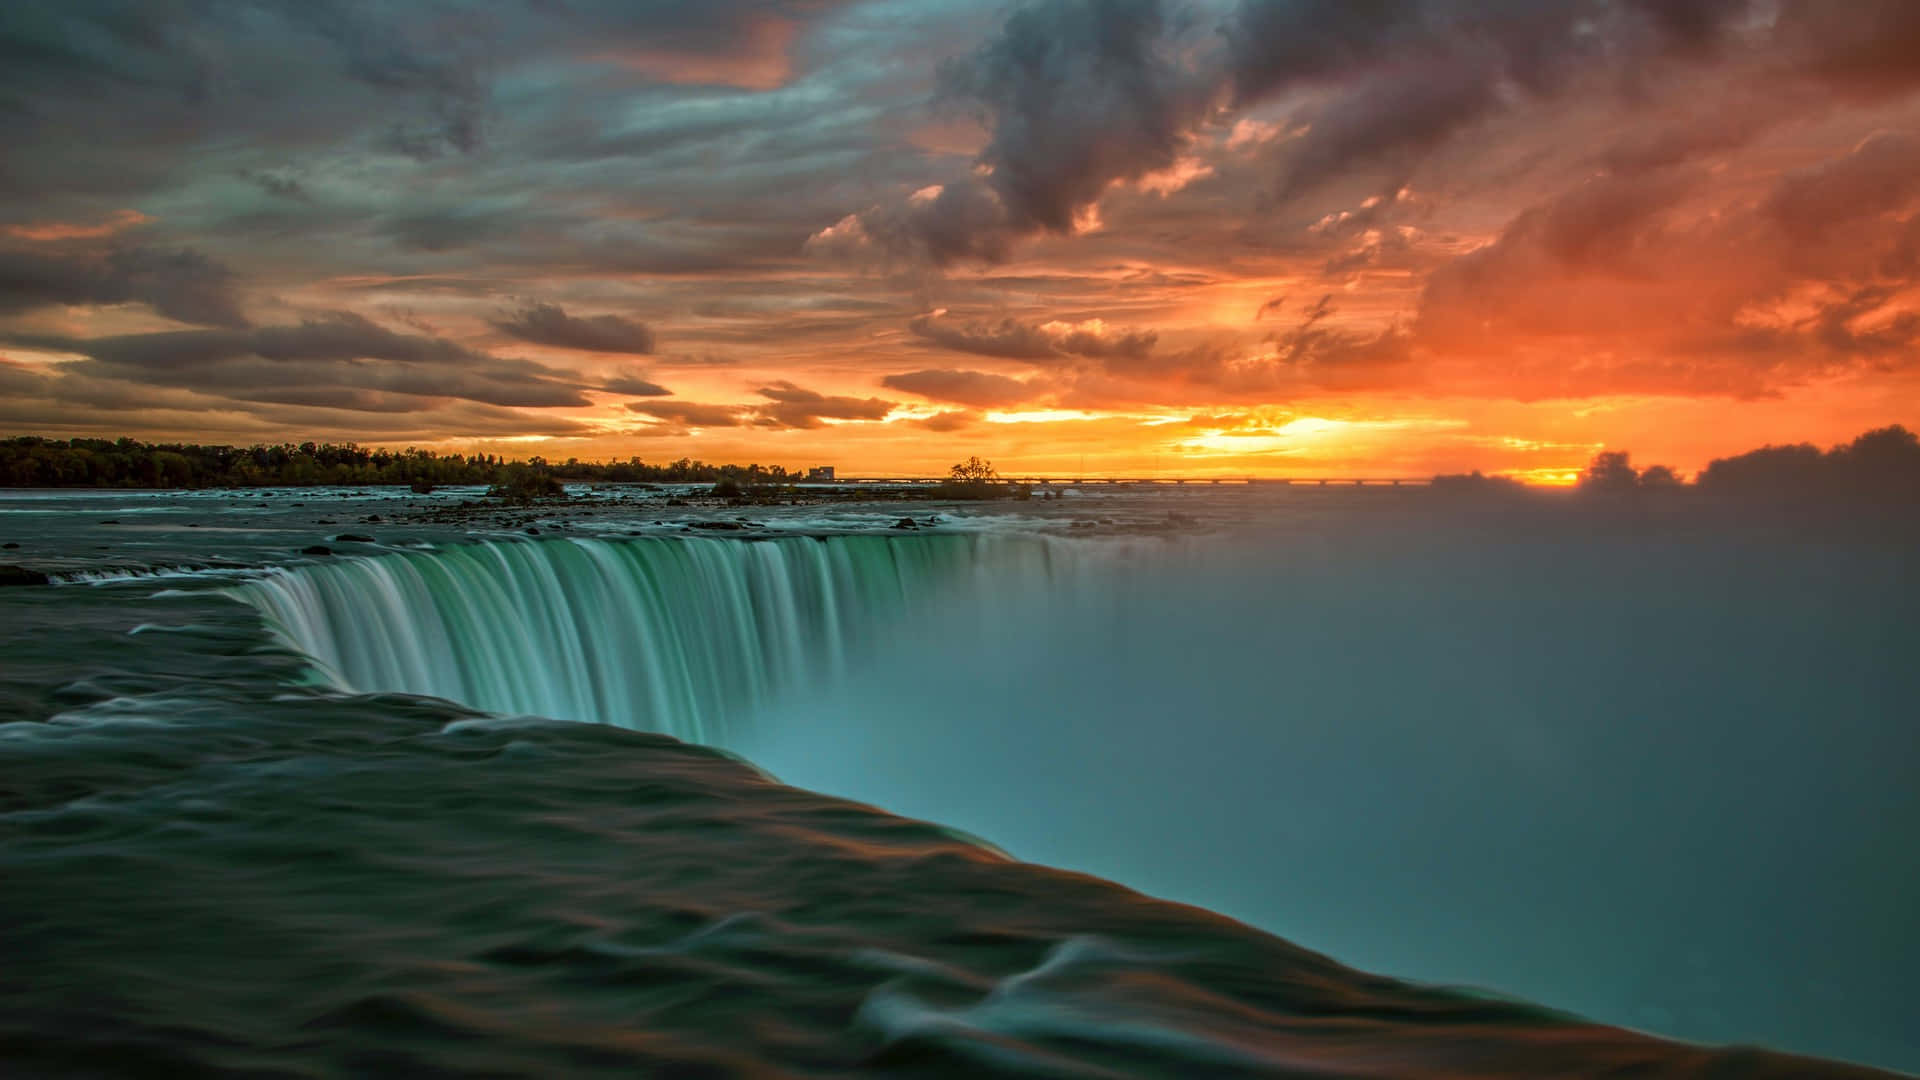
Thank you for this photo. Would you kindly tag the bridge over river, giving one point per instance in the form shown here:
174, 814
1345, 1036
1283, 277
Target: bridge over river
1149, 481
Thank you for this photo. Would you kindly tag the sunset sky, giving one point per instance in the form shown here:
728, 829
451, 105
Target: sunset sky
1359, 237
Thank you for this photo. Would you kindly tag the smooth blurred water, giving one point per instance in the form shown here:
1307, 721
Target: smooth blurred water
676, 635
1662, 771
1650, 762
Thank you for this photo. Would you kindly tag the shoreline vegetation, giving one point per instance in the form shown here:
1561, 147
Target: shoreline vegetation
1881, 462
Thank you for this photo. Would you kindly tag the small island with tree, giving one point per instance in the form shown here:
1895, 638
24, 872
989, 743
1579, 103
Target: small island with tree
976, 478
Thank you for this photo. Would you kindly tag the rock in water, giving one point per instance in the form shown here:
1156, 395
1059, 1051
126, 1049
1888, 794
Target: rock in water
20, 575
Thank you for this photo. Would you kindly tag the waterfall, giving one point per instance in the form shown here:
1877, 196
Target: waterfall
670, 634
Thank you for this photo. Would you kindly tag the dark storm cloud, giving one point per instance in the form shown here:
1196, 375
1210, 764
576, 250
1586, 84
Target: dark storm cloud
179, 284
1839, 222
1315, 354
17, 380
1810, 279
787, 406
1864, 48
154, 75
1847, 326
1722, 127
83, 398
1536, 45
1276, 45
692, 414
1692, 26
549, 324
205, 420
1012, 339
342, 352
1395, 79
1605, 166
1392, 119
979, 389
1607, 225
438, 61
263, 124
963, 220
73, 390
187, 66
1331, 353
441, 229
1079, 93
1881, 174
1402, 77
278, 184
634, 386
1008, 339
950, 420
742, 43
1126, 345
1077, 96
797, 407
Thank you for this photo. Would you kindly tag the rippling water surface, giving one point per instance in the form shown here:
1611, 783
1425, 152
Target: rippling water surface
266, 813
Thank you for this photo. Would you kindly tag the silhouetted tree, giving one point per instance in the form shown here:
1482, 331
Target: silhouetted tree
1477, 482
1885, 461
1610, 470
975, 478
1770, 469
974, 471
1659, 478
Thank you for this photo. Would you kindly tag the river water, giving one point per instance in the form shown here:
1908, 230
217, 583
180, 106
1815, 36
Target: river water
495, 794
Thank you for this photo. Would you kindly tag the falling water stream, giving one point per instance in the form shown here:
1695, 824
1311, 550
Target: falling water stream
675, 635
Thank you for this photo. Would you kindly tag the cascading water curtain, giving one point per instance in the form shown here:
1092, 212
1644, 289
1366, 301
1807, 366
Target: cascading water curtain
667, 634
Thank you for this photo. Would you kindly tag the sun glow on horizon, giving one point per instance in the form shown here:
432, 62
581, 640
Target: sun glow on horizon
743, 246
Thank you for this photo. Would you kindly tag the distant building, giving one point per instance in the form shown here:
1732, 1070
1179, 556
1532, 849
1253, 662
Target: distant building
821, 472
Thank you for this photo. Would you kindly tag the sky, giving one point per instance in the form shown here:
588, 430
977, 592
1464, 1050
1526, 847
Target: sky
1141, 237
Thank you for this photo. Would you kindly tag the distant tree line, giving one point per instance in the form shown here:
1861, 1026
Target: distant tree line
1885, 461
30, 461
1882, 461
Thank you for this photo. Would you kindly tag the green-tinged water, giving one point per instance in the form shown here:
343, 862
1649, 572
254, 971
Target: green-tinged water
272, 814
675, 635
389, 886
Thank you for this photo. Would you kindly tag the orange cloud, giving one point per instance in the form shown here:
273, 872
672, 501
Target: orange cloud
759, 60
118, 221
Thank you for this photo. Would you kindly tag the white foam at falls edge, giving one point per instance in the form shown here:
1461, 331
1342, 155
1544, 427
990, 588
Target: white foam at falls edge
680, 635
1076, 993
